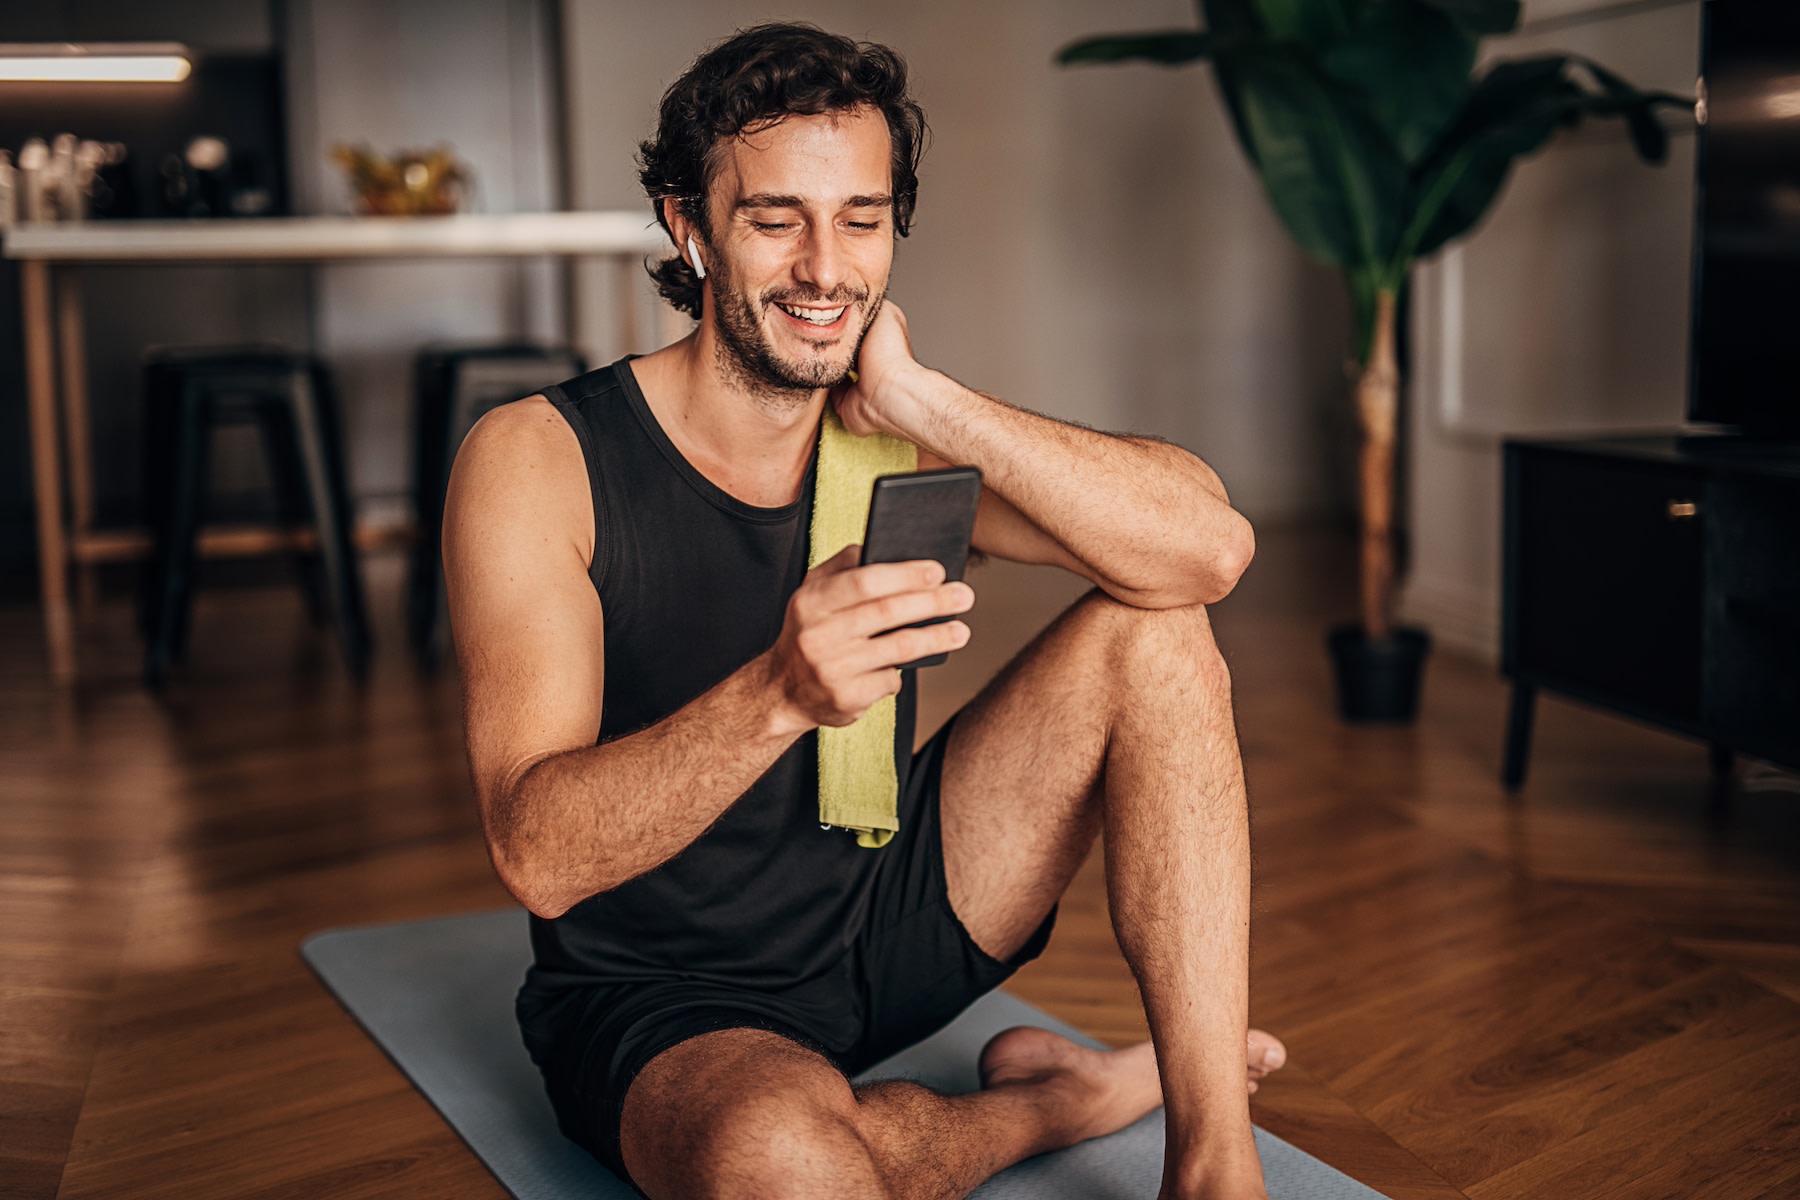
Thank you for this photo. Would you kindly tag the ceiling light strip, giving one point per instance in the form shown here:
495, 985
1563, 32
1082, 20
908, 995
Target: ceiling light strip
151, 62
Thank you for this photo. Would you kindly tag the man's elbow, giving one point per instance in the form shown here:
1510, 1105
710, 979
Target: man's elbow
532, 888
549, 910
545, 886
1205, 578
1219, 567
526, 864
522, 858
542, 893
1229, 558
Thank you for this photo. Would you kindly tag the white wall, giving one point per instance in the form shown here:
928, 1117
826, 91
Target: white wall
1089, 242
1565, 312
478, 74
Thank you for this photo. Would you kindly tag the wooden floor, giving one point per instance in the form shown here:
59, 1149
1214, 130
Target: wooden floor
1586, 995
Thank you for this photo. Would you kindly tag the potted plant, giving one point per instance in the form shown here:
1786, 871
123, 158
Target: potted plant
1377, 145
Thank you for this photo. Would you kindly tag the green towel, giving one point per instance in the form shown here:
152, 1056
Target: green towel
858, 789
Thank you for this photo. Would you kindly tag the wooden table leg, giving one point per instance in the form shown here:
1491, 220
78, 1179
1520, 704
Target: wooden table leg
46, 470
71, 336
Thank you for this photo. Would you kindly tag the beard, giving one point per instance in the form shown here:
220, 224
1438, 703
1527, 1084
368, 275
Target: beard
748, 357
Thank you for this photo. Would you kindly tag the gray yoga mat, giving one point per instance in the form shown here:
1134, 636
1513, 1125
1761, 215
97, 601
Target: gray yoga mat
438, 997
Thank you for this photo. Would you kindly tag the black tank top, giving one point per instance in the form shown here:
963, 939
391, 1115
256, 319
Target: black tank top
693, 584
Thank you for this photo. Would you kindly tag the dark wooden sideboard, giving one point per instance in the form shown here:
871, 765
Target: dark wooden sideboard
1658, 577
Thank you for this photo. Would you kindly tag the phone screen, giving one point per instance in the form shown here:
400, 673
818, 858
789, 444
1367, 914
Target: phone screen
924, 514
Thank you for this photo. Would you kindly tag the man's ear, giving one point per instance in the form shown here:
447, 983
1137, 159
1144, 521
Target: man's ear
680, 228
685, 234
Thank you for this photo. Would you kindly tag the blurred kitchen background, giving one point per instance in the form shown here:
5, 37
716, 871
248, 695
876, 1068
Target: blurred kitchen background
1090, 243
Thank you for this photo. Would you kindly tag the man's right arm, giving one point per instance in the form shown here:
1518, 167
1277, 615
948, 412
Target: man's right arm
565, 818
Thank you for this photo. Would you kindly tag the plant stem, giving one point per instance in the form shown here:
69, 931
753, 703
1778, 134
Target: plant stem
1377, 402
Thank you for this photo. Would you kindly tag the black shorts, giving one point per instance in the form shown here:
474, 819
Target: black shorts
910, 971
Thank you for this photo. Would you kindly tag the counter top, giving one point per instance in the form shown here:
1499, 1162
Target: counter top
315, 239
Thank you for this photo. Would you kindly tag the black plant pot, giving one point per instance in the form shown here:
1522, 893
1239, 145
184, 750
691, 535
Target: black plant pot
1378, 681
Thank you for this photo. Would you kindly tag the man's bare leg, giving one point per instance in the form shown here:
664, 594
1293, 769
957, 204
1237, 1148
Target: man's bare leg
1112, 716
747, 1114
1121, 717
744, 1113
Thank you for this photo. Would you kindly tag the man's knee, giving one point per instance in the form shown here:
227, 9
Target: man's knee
781, 1142
1162, 648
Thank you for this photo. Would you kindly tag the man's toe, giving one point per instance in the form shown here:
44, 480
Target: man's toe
1265, 1052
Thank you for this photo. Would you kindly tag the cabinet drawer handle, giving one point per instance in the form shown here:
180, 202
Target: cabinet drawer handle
1683, 510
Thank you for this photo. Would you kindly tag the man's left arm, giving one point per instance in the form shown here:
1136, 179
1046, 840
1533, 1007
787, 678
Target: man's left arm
1145, 520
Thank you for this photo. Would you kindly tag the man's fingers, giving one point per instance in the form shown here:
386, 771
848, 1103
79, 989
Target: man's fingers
846, 588
905, 645
849, 626
884, 613
814, 596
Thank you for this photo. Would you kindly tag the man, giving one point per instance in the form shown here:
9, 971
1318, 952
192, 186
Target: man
646, 657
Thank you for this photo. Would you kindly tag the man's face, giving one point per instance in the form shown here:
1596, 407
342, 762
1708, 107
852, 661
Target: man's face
802, 245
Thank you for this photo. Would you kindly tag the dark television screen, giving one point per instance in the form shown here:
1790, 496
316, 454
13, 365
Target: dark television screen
1745, 357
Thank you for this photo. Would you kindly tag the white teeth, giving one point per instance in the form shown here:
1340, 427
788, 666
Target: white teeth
813, 315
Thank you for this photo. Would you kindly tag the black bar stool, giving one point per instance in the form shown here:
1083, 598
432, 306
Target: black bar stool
289, 396
453, 386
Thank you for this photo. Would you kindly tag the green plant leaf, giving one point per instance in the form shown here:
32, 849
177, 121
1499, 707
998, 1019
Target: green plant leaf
1511, 112
1334, 178
1412, 62
1315, 22
1481, 16
1230, 18
1169, 47
1638, 109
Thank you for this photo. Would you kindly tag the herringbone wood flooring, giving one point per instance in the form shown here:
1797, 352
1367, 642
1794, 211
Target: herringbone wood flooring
1586, 995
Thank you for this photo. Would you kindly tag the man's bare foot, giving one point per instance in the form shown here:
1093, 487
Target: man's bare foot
1227, 1181
1087, 1093
1091, 1093
1103, 1090
1264, 1053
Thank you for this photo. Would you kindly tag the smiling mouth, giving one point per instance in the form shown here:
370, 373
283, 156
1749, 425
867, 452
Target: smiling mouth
818, 318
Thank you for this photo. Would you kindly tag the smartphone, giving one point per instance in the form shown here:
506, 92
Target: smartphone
924, 514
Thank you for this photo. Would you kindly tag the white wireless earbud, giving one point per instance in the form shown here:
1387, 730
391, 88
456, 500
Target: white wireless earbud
694, 257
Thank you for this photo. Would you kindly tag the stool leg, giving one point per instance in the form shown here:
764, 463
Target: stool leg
431, 415
314, 411
426, 601
158, 446
462, 409
288, 473
190, 512
1518, 736
172, 583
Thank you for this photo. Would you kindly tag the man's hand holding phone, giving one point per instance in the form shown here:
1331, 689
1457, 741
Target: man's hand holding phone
844, 634
860, 617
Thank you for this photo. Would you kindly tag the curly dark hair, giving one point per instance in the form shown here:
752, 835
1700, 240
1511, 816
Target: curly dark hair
757, 75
